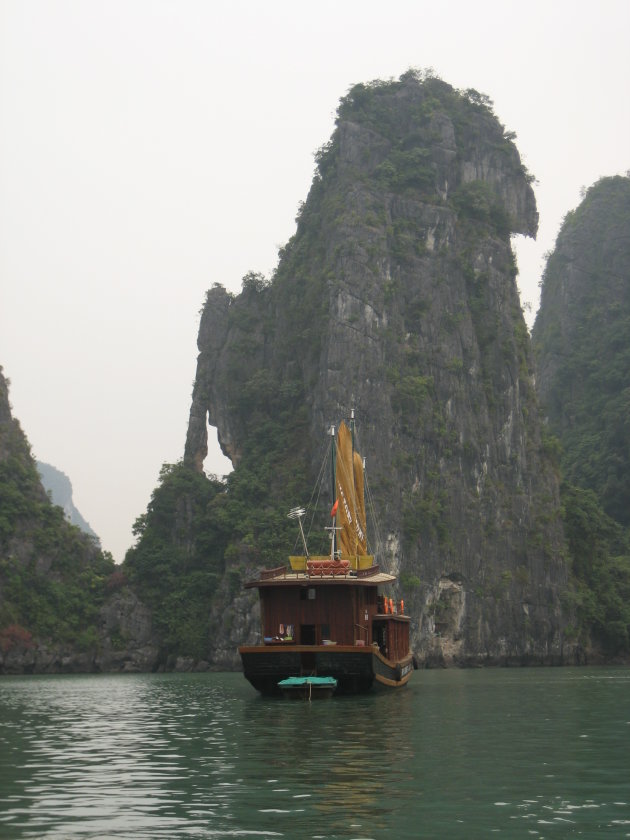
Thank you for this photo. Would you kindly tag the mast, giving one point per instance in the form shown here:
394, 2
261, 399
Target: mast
352, 429
354, 486
333, 462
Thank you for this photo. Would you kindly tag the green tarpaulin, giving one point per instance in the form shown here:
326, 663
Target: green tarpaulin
297, 681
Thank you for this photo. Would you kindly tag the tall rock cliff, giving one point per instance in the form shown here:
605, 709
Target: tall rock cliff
582, 341
397, 297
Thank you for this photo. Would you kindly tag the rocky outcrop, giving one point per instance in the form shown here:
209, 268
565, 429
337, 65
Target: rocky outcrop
213, 334
45, 658
125, 643
397, 297
126, 638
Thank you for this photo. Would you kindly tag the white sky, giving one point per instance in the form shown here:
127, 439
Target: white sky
149, 149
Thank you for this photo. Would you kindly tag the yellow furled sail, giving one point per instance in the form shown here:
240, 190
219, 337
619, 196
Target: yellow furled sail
351, 510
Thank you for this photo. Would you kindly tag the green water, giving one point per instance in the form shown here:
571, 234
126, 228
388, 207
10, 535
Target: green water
532, 753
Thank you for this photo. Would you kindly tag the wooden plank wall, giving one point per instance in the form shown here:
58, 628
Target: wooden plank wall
338, 607
398, 633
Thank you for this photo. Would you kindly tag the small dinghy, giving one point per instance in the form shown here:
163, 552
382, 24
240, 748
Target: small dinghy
308, 688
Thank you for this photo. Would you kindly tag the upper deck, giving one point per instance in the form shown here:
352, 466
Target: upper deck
321, 572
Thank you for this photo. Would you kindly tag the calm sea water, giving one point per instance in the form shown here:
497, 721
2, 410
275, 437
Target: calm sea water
541, 753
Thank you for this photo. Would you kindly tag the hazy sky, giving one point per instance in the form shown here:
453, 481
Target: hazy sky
149, 149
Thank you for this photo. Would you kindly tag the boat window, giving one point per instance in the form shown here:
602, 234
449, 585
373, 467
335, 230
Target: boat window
325, 631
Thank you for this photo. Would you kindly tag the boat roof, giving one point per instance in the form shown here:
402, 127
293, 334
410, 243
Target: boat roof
287, 577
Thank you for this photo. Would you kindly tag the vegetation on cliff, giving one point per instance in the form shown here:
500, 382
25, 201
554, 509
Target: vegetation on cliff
53, 578
582, 341
177, 562
599, 549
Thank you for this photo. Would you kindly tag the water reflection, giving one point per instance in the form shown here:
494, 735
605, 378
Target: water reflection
336, 761
456, 754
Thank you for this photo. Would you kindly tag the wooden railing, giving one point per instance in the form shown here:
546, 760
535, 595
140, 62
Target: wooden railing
371, 570
266, 574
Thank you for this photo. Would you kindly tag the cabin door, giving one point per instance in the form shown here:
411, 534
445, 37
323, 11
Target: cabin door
307, 634
380, 637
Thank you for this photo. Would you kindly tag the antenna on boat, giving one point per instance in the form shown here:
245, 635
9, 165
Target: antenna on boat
298, 513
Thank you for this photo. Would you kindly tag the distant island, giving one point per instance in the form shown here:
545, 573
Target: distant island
59, 486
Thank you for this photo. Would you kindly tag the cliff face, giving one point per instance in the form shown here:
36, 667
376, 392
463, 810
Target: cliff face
582, 341
397, 297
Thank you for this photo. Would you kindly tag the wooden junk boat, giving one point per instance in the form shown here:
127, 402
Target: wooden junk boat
328, 616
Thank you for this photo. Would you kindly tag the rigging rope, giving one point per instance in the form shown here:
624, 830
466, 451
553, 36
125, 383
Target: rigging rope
311, 507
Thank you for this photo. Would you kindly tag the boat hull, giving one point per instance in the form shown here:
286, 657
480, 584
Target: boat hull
356, 669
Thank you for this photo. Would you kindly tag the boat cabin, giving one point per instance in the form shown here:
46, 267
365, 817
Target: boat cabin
308, 609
